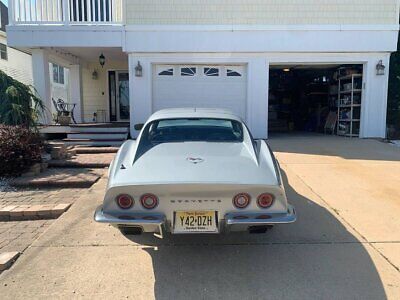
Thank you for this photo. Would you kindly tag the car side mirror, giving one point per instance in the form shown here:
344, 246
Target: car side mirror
139, 126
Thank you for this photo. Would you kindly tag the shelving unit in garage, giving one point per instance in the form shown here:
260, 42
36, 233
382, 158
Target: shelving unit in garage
349, 104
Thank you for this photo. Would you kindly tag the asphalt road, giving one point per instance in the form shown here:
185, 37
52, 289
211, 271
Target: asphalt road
345, 244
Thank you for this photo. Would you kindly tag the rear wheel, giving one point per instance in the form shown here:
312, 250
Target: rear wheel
260, 229
130, 230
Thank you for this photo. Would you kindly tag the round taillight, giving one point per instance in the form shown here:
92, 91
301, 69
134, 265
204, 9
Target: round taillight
149, 201
241, 200
265, 200
124, 201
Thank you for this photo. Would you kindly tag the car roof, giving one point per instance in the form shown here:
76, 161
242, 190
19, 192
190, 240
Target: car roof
176, 113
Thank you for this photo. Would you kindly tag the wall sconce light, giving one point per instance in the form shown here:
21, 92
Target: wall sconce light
95, 75
286, 70
380, 68
138, 70
102, 60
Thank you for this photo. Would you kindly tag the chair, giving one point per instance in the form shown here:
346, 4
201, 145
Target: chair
64, 109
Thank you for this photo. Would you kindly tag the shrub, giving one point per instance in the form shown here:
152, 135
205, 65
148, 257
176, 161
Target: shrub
19, 105
20, 148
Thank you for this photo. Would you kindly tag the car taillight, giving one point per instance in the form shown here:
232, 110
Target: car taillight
125, 201
265, 200
149, 201
241, 200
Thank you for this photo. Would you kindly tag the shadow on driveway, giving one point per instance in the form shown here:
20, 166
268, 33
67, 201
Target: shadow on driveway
317, 257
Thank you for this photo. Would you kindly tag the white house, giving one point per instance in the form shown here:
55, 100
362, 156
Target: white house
207, 53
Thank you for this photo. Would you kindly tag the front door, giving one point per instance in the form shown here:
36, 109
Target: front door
122, 95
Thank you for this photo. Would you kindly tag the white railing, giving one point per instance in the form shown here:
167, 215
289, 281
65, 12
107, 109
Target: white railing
65, 11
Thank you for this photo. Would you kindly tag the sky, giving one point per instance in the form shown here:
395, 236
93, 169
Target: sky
5, 2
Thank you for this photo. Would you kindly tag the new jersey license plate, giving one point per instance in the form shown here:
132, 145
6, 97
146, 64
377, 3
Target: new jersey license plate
195, 221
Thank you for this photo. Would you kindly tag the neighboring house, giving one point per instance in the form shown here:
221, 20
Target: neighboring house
13, 62
202, 53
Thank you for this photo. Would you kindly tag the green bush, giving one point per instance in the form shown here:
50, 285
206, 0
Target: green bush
18, 103
20, 148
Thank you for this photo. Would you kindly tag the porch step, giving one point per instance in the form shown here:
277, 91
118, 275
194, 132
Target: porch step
98, 136
94, 143
99, 128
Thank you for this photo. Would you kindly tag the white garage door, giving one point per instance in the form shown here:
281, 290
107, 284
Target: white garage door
200, 86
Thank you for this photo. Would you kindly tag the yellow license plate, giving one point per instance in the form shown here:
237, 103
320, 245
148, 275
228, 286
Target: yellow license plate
195, 221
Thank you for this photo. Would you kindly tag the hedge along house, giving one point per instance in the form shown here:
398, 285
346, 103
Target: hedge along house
179, 53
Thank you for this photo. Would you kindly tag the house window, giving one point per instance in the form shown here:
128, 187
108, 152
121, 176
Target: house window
3, 52
233, 73
58, 74
188, 71
212, 72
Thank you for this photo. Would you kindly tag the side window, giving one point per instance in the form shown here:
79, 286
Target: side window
165, 71
3, 52
211, 71
188, 71
58, 74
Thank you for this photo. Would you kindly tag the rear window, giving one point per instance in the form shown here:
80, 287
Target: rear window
193, 130
190, 130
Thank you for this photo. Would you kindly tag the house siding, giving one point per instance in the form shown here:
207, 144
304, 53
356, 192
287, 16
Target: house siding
95, 92
261, 12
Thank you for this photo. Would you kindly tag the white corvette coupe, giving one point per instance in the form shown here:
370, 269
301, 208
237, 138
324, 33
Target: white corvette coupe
194, 171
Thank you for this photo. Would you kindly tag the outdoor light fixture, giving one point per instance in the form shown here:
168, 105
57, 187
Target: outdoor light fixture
95, 75
102, 60
380, 68
138, 70
286, 70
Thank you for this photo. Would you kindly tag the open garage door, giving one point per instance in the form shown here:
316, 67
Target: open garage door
202, 86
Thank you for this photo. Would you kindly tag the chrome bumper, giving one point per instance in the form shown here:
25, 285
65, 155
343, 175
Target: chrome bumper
147, 222
240, 221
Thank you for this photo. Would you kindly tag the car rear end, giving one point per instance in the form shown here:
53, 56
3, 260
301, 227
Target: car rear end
195, 208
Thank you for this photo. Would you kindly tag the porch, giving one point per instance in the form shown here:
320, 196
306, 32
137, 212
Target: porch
88, 134
94, 92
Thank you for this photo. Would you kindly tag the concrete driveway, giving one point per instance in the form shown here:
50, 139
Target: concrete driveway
345, 245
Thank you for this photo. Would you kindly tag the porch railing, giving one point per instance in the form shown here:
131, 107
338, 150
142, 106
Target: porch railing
66, 11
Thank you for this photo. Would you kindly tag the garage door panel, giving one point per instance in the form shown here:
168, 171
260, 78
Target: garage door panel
200, 91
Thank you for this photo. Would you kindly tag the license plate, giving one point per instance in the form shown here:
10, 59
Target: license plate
195, 221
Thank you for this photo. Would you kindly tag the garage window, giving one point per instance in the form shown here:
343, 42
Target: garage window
211, 72
233, 73
165, 71
188, 71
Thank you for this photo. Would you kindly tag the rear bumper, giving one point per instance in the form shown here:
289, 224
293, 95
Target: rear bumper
243, 221
157, 223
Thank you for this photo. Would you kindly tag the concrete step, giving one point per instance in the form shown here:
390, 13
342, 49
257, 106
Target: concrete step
94, 143
98, 136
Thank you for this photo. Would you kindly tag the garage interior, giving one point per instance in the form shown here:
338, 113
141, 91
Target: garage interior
315, 98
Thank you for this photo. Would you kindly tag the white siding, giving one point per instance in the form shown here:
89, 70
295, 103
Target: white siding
18, 65
264, 12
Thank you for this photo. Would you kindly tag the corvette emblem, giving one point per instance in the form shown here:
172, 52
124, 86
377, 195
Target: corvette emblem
195, 160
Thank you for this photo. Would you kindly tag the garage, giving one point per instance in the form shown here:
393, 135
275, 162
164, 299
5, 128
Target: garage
211, 86
316, 98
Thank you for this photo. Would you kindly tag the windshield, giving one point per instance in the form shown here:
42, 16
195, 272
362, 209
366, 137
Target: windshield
189, 130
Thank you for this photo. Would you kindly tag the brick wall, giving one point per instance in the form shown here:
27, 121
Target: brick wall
261, 12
